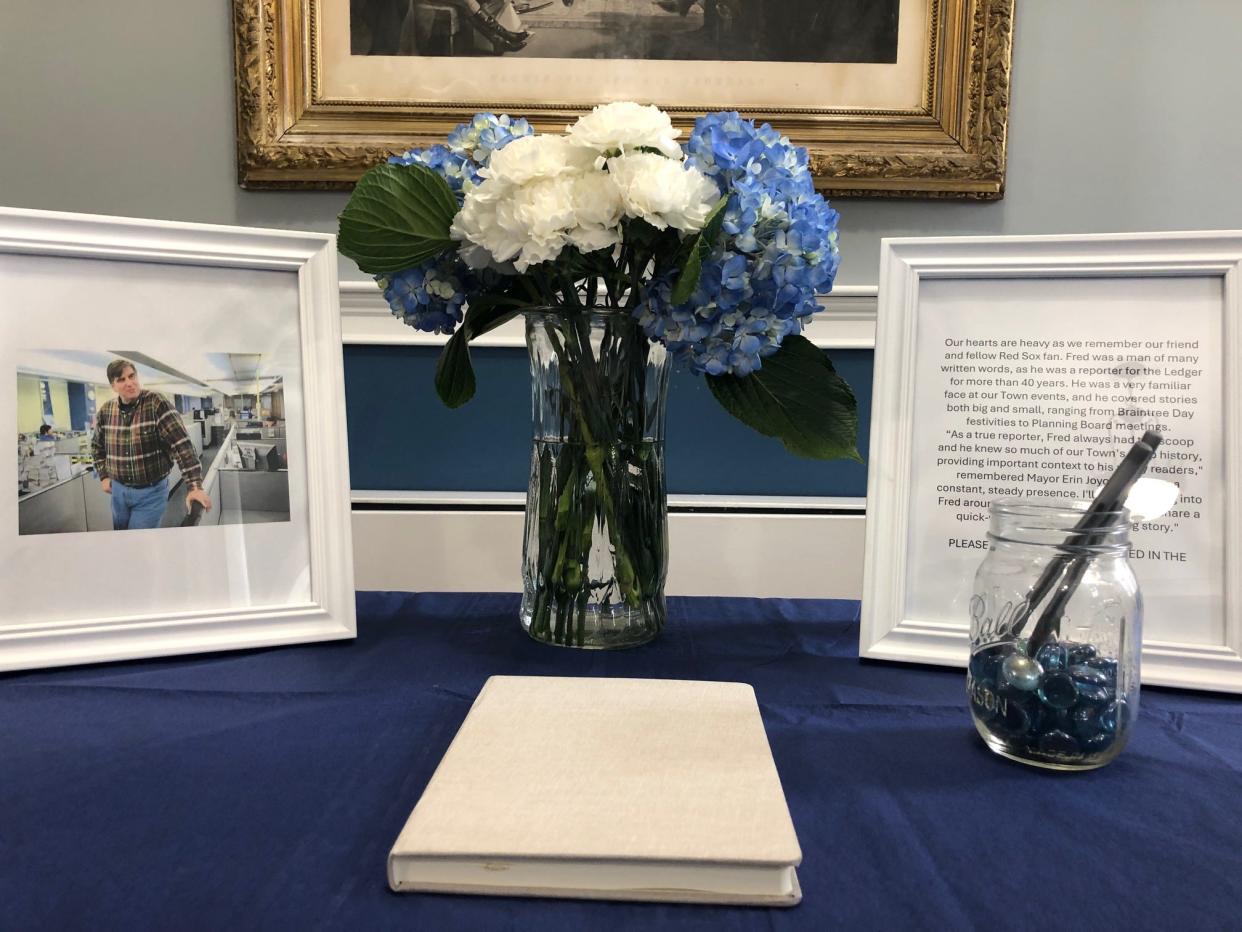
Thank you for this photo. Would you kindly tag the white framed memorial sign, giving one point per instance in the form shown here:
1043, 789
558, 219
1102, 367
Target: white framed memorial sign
1027, 366
175, 395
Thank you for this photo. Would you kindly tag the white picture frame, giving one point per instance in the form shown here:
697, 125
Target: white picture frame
918, 273
215, 588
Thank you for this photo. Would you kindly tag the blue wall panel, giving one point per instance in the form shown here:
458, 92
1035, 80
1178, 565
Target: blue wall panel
78, 415
402, 437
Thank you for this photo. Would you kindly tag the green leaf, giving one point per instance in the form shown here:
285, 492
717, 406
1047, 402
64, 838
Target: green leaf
397, 217
454, 373
702, 249
798, 398
639, 232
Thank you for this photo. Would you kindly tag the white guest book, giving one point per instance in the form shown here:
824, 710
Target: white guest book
602, 788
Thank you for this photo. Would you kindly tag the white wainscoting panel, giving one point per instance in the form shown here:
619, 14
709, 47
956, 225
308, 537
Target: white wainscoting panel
737, 545
735, 554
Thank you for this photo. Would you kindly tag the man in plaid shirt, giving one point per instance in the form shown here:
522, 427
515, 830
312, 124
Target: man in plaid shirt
137, 436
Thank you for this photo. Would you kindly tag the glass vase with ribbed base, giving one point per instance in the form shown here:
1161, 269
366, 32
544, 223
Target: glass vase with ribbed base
595, 552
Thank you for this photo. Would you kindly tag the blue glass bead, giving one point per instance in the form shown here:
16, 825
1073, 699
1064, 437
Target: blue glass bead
1085, 721
1057, 690
1052, 656
984, 664
1037, 714
1098, 742
1089, 692
1014, 719
1045, 719
1106, 665
1058, 742
1085, 675
1081, 653
1020, 672
1093, 685
1113, 715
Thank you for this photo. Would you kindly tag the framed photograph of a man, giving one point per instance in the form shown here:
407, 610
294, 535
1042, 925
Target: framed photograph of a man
891, 97
156, 447
181, 479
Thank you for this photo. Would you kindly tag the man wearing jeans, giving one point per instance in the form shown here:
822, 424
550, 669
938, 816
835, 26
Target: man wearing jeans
137, 436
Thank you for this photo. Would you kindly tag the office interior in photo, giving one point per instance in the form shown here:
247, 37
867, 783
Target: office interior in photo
231, 405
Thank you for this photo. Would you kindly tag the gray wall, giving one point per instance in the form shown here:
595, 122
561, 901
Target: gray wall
1126, 115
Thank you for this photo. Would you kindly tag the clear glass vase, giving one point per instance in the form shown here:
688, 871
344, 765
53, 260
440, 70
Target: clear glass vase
1055, 636
595, 553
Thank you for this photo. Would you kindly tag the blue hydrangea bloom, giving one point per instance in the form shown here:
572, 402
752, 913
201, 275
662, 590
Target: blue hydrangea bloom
430, 296
778, 251
469, 147
461, 172
486, 133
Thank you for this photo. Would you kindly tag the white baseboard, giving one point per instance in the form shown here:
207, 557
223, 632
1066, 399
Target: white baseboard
739, 554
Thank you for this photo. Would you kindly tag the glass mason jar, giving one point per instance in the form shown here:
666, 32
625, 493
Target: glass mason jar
1055, 636
595, 553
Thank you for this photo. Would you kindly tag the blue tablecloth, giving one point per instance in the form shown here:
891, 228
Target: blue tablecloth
263, 789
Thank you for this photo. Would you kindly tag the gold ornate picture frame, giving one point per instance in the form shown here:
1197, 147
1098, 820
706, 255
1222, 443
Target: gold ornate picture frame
311, 114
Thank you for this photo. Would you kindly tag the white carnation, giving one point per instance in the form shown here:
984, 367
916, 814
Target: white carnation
476, 256
532, 221
597, 212
532, 157
625, 127
663, 192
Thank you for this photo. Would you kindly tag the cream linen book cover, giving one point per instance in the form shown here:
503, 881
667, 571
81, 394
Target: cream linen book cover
604, 788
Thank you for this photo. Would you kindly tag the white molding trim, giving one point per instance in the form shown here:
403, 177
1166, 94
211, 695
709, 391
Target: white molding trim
846, 321
90, 236
718, 503
226, 623
889, 627
761, 556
